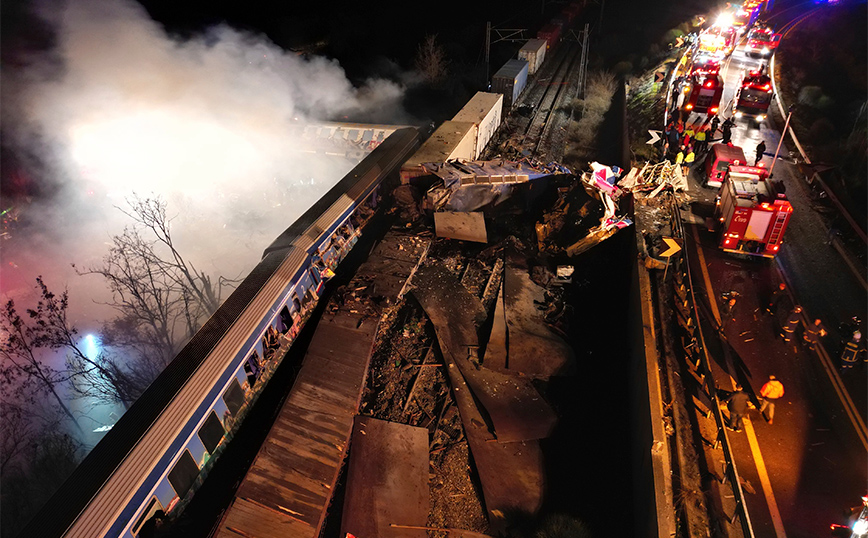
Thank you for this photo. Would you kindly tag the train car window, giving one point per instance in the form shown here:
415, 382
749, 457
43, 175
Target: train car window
211, 432
152, 508
183, 474
234, 397
296, 303
285, 320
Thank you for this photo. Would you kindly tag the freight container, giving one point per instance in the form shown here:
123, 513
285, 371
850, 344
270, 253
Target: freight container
550, 32
452, 140
510, 81
486, 111
534, 52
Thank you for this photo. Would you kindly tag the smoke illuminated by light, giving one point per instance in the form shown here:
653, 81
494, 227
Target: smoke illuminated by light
162, 151
211, 124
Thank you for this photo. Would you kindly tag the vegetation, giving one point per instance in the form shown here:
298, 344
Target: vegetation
599, 90
161, 300
829, 86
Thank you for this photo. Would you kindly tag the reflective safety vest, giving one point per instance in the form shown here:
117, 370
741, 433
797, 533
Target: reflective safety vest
772, 390
850, 354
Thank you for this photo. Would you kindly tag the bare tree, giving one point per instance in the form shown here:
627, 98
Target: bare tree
431, 59
23, 372
161, 297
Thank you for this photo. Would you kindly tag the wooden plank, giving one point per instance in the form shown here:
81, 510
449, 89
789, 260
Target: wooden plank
249, 519
387, 480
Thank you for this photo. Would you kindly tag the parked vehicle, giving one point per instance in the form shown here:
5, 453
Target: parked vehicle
720, 157
752, 212
753, 97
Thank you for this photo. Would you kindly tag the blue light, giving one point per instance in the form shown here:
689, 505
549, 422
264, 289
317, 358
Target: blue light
91, 346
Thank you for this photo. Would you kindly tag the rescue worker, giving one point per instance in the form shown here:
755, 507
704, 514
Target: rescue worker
689, 158
679, 157
770, 391
727, 130
688, 134
850, 355
813, 333
715, 122
760, 151
737, 405
701, 139
727, 311
792, 323
777, 296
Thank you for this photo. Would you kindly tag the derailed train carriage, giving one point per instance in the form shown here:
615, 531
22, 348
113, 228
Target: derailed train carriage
163, 447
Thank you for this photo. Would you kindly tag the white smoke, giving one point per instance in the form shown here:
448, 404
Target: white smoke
211, 124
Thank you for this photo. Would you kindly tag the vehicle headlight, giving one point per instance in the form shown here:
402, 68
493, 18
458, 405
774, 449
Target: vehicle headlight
765, 50
860, 527
760, 117
739, 114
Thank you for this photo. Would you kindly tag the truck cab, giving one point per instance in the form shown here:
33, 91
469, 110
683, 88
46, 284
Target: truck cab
753, 97
705, 93
762, 42
720, 157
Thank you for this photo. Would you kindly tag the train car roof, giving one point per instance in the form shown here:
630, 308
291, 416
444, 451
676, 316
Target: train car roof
322, 206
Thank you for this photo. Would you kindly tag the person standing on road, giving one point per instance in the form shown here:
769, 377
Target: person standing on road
727, 311
792, 323
689, 158
813, 333
774, 301
701, 137
850, 355
679, 157
727, 131
737, 405
714, 124
772, 390
760, 151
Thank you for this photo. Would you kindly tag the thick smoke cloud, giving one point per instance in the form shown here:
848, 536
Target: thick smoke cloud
211, 124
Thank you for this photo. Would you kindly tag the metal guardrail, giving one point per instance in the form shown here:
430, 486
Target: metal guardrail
696, 351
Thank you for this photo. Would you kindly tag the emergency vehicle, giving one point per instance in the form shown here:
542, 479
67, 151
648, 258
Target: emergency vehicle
717, 40
762, 42
705, 94
753, 97
752, 212
704, 64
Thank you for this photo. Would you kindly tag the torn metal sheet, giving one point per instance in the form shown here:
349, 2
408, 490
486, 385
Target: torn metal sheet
534, 349
387, 481
517, 410
495, 350
457, 174
460, 225
471, 185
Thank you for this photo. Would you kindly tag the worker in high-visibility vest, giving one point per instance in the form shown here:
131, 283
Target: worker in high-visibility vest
792, 323
850, 355
772, 390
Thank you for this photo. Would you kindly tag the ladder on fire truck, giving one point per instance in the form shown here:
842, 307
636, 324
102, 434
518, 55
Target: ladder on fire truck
778, 228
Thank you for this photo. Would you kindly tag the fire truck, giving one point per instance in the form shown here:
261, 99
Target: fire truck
705, 94
762, 42
753, 97
753, 212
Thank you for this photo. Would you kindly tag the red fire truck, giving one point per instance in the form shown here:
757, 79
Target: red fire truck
752, 211
705, 94
762, 42
753, 97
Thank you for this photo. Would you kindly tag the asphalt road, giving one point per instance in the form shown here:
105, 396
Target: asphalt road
805, 469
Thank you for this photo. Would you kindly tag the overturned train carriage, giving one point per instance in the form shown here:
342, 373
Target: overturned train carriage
161, 450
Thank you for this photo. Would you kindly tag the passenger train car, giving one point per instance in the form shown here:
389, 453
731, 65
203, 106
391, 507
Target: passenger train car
162, 449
